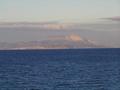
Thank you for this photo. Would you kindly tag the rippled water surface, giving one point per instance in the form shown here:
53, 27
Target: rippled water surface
83, 69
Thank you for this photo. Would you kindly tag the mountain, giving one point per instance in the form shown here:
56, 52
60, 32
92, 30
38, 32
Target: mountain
54, 42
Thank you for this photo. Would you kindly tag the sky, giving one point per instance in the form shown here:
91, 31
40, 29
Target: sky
57, 10
96, 20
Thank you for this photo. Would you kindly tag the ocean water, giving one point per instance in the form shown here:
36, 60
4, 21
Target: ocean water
80, 69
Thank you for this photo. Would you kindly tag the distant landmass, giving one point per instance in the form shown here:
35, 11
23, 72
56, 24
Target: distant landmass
54, 42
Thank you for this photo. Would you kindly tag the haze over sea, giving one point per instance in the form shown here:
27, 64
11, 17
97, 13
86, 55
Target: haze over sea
70, 69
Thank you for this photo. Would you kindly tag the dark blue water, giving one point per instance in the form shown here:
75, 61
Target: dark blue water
83, 69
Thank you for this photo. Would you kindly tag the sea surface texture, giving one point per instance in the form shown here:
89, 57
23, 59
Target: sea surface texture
80, 69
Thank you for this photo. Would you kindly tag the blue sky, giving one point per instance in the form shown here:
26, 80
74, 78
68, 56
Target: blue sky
58, 10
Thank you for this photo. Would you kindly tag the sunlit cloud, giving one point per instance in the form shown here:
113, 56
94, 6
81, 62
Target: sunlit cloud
70, 37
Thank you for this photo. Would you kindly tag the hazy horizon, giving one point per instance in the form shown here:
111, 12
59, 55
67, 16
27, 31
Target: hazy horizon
38, 20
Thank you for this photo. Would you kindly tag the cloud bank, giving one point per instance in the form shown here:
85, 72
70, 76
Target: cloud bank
117, 18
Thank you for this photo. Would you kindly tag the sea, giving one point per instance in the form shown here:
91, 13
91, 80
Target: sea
65, 69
